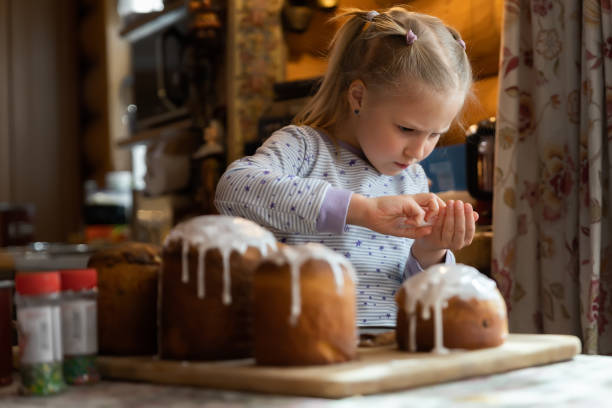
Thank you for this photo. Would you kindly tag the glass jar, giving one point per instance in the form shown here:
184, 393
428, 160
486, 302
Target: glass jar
80, 325
39, 327
6, 327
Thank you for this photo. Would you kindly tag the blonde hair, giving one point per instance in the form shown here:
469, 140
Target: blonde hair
375, 50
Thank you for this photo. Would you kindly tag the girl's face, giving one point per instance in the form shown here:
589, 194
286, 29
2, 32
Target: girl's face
396, 130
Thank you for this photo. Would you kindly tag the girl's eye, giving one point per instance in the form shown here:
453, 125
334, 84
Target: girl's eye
405, 129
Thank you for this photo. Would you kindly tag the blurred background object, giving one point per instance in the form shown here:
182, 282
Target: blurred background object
45, 256
6, 324
136, 86
480, 162
16, 224
107, 212
127, 8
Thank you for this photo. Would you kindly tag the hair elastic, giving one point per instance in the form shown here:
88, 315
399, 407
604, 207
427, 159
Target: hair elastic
411, 37
371, 14
461, 42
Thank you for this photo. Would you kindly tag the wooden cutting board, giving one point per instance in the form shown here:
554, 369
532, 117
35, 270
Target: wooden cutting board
377, 369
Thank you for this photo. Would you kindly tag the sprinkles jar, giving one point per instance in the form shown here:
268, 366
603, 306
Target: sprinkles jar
79, 325
39, 327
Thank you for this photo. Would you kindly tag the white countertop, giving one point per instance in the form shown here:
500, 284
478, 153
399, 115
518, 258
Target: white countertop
585, 381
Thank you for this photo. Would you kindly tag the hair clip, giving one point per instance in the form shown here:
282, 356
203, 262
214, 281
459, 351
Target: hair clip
411, 37
461, 43
371, 14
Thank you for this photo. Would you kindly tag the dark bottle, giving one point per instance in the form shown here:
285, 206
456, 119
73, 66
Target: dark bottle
6, 327
480, 149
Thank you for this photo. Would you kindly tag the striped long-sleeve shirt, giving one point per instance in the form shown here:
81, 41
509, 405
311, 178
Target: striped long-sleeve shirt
298, 185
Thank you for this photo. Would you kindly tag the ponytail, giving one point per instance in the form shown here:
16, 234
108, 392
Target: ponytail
384, 50
317, 112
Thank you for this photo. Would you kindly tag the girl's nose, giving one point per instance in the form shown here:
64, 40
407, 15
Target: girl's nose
416, 150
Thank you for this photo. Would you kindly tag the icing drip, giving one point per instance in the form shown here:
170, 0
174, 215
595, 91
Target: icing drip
223, 232
438, 328
184, 264
227, 295
201, 276
296, 256
412, 329
296, 300
433, 287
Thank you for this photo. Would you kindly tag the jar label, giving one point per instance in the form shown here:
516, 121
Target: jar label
79, 327
40, 337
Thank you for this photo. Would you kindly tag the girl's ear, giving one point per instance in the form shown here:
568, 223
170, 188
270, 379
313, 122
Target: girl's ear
356, 92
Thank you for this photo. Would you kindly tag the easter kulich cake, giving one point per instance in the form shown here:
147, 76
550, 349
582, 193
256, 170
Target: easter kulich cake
450, 307
304, 307
206, 287
128, 276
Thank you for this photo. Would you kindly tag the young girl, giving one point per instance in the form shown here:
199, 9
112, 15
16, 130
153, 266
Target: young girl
347, 173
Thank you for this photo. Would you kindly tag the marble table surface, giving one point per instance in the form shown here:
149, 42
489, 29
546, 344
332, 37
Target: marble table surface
585, 381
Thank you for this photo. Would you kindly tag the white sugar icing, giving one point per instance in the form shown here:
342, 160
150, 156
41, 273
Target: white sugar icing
224, 233
434, 286
297, 255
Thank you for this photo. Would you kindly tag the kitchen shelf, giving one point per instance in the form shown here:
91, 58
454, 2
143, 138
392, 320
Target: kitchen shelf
156, 134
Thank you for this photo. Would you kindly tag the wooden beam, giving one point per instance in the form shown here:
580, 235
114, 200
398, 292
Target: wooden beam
233, 137
5, 112
69, 158
44, 133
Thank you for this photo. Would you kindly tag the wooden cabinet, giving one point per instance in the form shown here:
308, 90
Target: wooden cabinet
39, 124
5, 156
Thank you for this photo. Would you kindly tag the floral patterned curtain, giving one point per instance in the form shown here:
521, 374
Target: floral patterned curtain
552, 247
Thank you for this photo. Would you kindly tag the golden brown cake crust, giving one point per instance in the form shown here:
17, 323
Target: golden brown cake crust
127, 298
205, 328
471, 324
325, 331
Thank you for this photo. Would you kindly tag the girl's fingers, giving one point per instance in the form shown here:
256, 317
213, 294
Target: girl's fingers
430, 205
470, 228
431, 202
439, 202
412, 211
459, 231
438, 205
441, 216
438, 224
448, 230
415, 219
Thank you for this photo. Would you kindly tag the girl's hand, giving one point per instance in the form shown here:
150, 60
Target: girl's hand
402, 215
453, 229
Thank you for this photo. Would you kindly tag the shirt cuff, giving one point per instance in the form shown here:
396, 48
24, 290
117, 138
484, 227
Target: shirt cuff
413, 266
332, 215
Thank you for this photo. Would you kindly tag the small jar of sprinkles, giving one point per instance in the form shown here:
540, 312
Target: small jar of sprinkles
79, 325
40, 338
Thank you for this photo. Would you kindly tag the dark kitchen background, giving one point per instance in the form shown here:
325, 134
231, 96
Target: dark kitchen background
117, 117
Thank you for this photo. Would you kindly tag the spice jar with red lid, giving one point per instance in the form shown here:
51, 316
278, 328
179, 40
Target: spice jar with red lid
39, 327
80, 325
